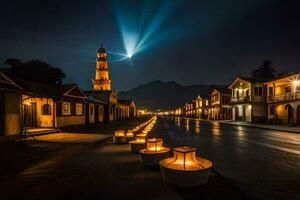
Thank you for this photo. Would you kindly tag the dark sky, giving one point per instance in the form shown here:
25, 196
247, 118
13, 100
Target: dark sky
192, 41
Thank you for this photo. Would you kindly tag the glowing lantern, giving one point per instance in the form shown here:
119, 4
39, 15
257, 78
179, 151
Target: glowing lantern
119, 137
154, 152
138, 144
129, 135
185, 169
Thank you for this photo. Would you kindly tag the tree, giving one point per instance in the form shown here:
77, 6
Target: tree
264, 71
34, 70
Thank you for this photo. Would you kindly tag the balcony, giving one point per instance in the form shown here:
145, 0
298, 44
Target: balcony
284, 97
241, 99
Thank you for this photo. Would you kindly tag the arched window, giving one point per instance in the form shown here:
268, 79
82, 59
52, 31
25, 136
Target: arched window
46, 109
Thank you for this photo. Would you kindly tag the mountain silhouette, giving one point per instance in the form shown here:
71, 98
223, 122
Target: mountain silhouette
165, 95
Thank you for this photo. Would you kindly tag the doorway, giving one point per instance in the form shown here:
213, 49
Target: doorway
30, 115
96, 113
289, 109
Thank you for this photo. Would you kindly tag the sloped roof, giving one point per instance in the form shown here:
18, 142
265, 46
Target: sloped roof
8, 84
47, 90
223, 89
92, 99
103, 95
126, 101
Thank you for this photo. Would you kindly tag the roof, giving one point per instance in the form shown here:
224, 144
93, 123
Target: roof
223, 89
249, 79
92, 99
127, 102
285, 75
101, 49
47, 90
102, 95
7, 84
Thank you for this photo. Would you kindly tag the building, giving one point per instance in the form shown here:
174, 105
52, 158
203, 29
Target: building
51, 106
283, 98
94, 110
10, 99
197, 108
101, 81
109, 98
220, 108
248, 99
101, 90
127, 110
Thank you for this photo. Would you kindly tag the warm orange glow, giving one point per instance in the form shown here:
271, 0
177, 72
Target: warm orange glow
155, 145
129, 133
185, 159
120, 133
138, 141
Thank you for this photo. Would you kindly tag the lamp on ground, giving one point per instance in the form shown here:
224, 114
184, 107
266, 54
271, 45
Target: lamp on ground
154, 152
138, 144
184, 169
129, 135
120, 137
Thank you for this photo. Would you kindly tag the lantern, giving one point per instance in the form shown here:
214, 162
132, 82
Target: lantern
119, 137
138, 144
184, 169
154, 152
129, 135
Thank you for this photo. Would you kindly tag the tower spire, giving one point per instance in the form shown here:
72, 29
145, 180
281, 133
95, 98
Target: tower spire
101, 80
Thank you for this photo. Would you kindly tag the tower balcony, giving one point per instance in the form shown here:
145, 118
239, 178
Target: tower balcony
108, 81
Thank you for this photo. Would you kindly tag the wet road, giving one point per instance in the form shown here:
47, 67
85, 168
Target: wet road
263, 164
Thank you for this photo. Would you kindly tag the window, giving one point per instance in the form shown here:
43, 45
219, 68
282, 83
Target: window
271, 91
207, 102
288, 89
260, 91
79, 109
272, 109
46, 109
256, 91
92, 110
66, 108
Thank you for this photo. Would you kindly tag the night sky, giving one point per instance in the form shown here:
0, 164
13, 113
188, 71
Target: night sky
184, 41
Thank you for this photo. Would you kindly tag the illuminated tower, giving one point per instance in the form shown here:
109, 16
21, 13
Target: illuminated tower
102, 80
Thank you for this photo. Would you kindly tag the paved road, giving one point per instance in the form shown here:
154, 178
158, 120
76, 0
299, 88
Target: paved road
264, 164
95, 171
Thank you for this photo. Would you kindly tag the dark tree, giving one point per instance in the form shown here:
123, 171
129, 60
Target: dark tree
264, 71
34, 70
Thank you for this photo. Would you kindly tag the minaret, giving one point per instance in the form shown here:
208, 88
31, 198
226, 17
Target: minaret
102, 80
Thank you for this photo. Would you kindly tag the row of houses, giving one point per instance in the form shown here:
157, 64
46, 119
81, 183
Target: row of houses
275, 101
25, 104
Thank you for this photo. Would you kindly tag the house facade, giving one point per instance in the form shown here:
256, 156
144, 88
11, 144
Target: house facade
198, 108
10, 99
283, 99
51, 106
220, 108
248, 100
126, 109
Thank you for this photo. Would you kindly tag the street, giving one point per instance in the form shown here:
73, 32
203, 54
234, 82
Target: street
264, 164
248, 163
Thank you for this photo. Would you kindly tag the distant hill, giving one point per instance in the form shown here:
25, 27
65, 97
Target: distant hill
164, 95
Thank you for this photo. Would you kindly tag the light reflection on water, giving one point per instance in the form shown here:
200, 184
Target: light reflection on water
197, 126
187, 124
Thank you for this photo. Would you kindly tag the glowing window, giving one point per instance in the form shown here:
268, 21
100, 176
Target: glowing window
79, 109
66, 108
46, 109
